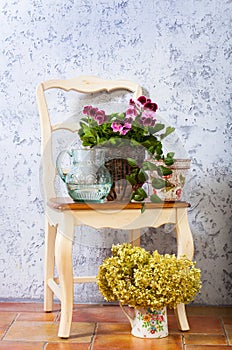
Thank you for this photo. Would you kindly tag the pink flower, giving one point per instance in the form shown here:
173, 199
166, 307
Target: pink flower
122, 129
100, 117
87, 109
116, 126
131, 111
148, 118
178, 193
125, 129
160, 318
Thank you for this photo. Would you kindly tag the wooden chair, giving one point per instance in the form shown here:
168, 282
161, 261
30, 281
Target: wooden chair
62, 214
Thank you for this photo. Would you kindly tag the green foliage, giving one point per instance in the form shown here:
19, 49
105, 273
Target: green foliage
138, 278
137, 125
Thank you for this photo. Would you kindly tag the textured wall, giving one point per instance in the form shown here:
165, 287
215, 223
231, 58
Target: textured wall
178, 51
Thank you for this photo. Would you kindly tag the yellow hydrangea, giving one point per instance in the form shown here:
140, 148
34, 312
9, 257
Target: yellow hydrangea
138, 278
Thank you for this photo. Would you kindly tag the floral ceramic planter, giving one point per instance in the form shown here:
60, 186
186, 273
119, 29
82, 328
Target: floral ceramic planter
175, 181
148, 324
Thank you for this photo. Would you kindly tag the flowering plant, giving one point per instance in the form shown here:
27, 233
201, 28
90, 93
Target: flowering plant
137, 124
140, 279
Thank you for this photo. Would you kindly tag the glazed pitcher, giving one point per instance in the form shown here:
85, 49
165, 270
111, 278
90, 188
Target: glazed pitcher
87, 180
147, 323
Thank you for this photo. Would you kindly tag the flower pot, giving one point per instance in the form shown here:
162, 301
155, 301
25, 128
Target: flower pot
175, 181
118, 167
147, 323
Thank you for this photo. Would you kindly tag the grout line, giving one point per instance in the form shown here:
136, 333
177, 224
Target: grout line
225, 332
7, 329
183, 341
93, 337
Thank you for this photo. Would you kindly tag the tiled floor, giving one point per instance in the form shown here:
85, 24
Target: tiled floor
24, 326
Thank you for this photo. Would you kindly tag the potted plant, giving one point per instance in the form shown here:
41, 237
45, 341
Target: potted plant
148, 282
129, 131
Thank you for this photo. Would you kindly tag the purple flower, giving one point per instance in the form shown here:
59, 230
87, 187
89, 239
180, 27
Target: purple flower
87, 109
121, 128
100, 117
151, 105
131, 111
93, 111
90, 111
116, 126
125, 129
142, 99
148, 118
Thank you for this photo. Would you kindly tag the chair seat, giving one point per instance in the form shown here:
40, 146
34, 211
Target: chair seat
66, 203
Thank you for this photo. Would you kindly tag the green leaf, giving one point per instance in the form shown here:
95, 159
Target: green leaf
141, 192
139, 195
131, 180
149, 166
156, 128
143, 208
155, 199
142, 176
158, 183
132, 162
169, 161
170, 155
168, 131
163, 171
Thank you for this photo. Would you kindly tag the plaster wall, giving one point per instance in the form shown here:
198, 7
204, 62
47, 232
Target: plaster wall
179, 51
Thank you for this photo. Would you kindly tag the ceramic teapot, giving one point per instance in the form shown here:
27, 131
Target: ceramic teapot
88, 180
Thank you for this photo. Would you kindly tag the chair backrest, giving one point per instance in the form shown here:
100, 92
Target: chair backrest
85, 85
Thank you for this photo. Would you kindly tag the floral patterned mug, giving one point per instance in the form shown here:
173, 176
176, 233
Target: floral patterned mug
147, 323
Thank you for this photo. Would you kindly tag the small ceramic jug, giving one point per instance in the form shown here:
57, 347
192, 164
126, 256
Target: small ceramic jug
147, 323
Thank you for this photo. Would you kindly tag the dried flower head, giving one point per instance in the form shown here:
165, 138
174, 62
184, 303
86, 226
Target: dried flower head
138, 278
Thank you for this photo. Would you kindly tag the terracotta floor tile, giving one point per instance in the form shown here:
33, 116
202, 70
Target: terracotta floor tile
208, 347
21, 307
198, 324
228, 329
113, 328
99, 314
37, 316
6, 318
66, 346
227, 320
26, 307
205, 339
10, 345
215, 311
47, 331
129, 342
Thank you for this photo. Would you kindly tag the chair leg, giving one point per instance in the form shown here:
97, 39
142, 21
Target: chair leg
184, 247
63, 257
134, 237
50, 236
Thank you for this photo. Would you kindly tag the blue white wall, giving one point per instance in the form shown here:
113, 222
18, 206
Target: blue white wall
179, 51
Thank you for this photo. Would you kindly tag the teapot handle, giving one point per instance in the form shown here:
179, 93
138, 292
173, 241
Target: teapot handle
58, 163
127, 315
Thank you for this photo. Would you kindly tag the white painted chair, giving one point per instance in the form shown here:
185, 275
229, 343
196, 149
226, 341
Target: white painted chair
62, 214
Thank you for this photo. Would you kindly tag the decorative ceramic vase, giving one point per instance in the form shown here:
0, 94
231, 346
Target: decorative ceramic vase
175, 181
147, 323
88, 180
